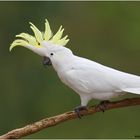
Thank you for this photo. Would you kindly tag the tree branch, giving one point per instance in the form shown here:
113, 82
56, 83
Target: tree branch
48, 122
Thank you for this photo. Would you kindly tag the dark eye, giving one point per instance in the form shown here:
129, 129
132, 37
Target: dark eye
51, 54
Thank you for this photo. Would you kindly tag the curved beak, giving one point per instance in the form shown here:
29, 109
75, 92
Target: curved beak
46, 61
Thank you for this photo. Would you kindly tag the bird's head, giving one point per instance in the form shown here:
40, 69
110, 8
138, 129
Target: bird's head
49, 46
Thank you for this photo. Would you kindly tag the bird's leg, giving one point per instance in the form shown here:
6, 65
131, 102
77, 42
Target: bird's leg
103, 105
84, 101
78, 109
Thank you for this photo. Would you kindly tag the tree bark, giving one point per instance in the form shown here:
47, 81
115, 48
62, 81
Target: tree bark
52, 121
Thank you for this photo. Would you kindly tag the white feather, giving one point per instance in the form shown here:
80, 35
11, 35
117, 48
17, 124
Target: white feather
92, 80
132, 90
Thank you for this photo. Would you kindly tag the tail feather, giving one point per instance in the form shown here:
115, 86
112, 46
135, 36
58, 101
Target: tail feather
132, 90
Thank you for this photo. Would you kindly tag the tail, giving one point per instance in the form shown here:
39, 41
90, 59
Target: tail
132, 90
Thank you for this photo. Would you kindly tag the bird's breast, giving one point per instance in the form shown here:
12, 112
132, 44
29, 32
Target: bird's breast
83, 82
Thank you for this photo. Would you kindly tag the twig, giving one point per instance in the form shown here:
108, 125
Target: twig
48, 122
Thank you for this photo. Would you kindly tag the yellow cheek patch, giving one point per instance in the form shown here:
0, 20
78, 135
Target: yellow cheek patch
36, 40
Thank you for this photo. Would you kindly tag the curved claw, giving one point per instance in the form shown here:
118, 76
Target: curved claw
78, 109
103, 105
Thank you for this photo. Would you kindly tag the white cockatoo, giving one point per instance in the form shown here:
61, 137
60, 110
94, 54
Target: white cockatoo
89, 79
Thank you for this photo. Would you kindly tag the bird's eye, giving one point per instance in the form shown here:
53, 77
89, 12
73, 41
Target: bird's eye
51, 54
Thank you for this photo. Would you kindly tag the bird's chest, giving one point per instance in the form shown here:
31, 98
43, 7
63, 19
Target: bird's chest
86, 81
74, 81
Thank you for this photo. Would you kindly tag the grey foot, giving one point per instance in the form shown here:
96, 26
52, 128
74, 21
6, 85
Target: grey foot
78, 109
103, 105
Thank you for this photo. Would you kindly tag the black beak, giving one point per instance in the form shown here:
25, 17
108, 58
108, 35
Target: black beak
46, 61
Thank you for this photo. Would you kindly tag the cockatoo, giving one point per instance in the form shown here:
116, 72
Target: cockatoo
89, 79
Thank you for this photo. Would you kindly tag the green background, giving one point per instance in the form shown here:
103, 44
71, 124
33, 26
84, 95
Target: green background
106, 32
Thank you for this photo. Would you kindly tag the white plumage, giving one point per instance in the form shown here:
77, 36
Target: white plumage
89, 79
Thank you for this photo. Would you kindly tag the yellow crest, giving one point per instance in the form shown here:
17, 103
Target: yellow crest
36, 40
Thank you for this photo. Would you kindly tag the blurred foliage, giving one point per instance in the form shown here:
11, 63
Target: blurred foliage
107, 32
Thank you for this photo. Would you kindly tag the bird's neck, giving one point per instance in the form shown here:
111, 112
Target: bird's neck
64, 63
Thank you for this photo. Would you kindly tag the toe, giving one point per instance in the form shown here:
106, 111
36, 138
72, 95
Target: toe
103, 105
78, 109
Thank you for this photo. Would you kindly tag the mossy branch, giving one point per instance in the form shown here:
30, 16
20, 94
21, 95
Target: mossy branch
52, 121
